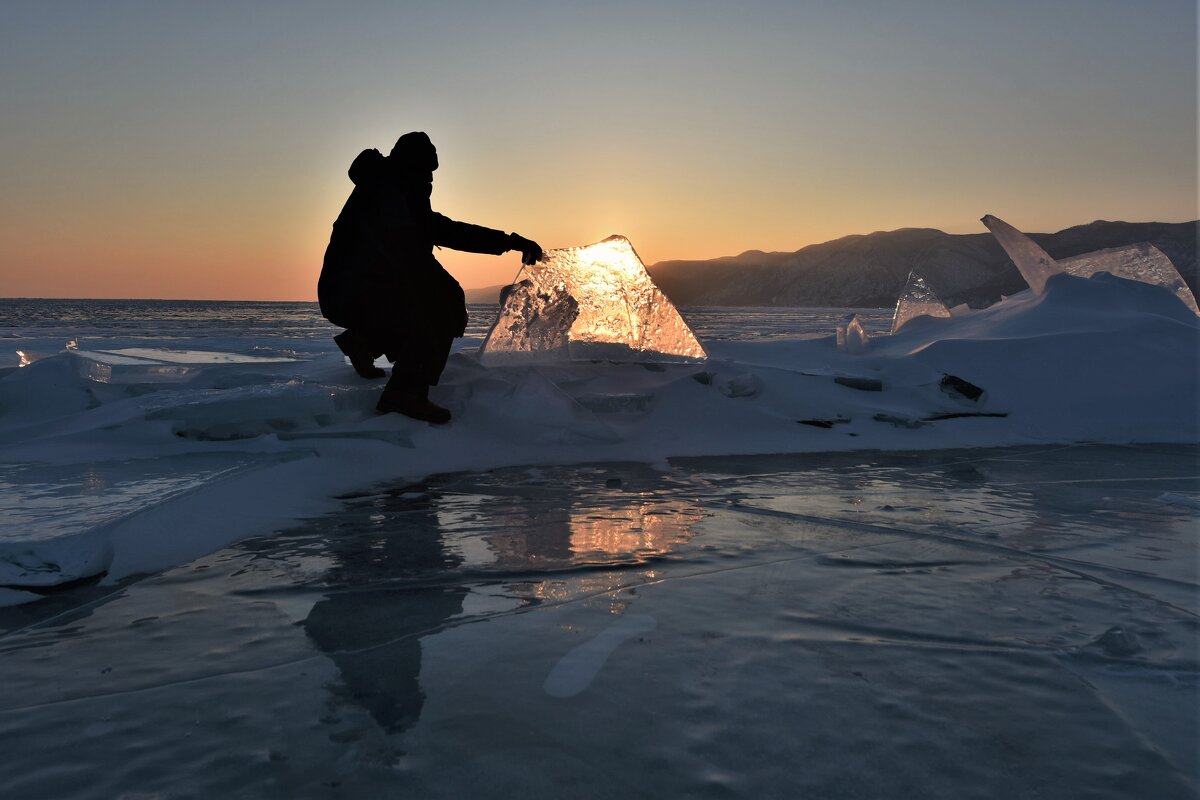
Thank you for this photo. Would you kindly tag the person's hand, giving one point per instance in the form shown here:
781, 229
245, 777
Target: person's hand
531, 251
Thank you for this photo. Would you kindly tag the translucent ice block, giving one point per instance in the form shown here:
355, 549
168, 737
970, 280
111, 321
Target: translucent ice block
850, 335
153, 364
588, 302
917, 300
107, 367
1139, 262
1034, 263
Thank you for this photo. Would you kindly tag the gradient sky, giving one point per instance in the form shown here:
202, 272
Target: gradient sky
199, 149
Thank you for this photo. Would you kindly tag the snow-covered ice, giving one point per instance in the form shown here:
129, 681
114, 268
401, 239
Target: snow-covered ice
259, 443
961, 573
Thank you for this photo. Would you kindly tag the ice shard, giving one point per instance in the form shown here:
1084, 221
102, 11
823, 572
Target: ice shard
154, 364
1034, 263
850, 335
917, 300
593, 302
1139, 262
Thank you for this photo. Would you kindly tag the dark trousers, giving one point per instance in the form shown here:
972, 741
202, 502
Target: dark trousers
418, 356
415, 336
411, 317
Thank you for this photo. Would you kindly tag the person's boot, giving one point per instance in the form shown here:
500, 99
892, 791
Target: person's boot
412, 401
359, 353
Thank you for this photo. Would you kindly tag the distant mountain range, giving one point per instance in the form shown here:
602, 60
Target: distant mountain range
869, 271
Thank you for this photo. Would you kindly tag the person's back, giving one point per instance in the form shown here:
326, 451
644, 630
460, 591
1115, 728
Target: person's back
381, 282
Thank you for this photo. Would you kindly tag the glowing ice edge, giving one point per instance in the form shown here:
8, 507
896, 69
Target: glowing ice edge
1099, 359
588, 302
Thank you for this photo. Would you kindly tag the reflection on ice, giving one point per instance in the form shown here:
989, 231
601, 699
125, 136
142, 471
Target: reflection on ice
1021, 619
391, 557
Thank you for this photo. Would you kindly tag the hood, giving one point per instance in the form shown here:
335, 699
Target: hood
368, 167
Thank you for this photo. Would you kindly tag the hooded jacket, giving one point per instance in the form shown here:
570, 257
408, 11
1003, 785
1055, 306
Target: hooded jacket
380, 254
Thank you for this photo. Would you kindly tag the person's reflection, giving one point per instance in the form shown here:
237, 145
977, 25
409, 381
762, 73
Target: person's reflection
393, 579
372, 631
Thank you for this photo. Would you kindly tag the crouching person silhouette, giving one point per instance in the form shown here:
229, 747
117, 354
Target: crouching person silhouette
382, 284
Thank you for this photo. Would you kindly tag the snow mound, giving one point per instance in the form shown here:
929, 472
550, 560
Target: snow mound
593, 302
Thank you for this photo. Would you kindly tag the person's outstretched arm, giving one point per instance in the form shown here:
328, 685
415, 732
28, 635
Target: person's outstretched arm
478, 239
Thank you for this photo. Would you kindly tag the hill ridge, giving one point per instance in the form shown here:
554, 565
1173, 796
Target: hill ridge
869, 270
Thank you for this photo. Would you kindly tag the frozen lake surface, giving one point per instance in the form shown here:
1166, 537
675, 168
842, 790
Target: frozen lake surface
946, 564
1011, 622
41, 328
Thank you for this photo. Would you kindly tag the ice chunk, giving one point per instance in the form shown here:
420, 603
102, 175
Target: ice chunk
153, 364
588, 302
917, 300
106, 367
1139, 262
850, 335
171, 356
1034, 263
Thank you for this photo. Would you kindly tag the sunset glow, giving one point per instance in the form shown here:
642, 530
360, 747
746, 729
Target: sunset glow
176, 150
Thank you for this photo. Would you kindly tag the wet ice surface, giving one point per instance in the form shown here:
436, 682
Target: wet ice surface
58, 500
52, 512
1015, 622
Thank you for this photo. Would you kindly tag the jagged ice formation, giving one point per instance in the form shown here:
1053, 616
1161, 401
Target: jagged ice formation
1034, 263
592, 302
851, 336
917, 300
1138, 262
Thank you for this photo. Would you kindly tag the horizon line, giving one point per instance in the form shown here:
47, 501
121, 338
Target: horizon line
648, 266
